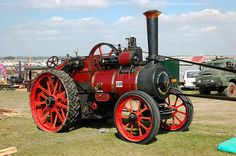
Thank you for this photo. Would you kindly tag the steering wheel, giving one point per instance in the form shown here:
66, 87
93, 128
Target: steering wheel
52, 62
100, 47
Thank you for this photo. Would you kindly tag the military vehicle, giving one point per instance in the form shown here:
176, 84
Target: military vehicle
217, 80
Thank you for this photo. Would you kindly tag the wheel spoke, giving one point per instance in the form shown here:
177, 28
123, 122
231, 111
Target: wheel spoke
59, 87
43, 120
168, 98
143, 110
55, 121
50, 81
165, 121
130, 103
51, 118
146, 118
49, 88
42, 95
131, 129
39, 103
142, 125
179, 105
46, 109
55, 87
43, 89
140, 131
173, 120
129, 110
59, 116
110, 53
46, 114
124, 117
63, 113
64, 101
59, 104
100, 50
178, 119
139, 106
61, 95
127, 125
184, 113
176, 99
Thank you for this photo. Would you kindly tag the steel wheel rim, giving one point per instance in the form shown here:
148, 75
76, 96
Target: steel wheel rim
178, 116
49, 102
139, 129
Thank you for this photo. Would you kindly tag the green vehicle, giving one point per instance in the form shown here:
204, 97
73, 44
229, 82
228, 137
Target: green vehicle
217, 80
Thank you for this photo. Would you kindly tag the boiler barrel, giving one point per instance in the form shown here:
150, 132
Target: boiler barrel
152, 79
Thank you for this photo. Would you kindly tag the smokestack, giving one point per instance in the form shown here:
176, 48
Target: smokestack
152, 32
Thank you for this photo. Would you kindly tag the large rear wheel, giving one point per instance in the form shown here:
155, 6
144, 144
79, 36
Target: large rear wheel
182, 114
137, 117
54, 101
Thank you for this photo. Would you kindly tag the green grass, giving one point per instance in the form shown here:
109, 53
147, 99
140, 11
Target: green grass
21, 132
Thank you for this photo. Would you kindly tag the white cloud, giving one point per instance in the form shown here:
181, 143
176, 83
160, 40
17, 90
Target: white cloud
207, 13
58, 4
56, 19
209, 29
150, 3
187, 4
161, 3
50, 4
125, 19
35, 34
61, 20
85, 4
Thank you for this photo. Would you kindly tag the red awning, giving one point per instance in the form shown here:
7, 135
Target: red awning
198, 59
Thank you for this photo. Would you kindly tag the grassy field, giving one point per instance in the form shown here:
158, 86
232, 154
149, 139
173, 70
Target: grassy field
214, 122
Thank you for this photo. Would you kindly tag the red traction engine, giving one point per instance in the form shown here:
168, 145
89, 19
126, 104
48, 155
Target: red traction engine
119, 84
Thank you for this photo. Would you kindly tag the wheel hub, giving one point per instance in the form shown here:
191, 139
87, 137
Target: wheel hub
50, 101
132, 118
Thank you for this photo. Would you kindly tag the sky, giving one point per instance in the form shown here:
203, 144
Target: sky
58, 27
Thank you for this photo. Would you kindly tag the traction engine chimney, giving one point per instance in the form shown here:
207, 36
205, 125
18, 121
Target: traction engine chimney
152, 33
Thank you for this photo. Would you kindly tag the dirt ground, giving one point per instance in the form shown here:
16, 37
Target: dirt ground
6, 113
214, 111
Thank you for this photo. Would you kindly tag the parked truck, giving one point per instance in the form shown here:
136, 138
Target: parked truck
218, 80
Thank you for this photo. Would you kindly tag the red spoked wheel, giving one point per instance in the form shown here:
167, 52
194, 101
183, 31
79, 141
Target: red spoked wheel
54, 102
137, 117
182, 114
103, 49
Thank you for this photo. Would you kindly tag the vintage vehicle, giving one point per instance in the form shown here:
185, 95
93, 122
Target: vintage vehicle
190, 78
217, 80
113, 83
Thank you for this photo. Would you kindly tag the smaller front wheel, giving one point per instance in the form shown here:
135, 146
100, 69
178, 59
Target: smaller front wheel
137, 117
182, 115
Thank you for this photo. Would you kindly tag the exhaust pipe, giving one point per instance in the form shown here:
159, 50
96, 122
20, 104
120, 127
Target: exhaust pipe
152, 33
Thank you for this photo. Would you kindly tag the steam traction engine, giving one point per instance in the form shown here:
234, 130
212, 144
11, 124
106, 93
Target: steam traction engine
118, 83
